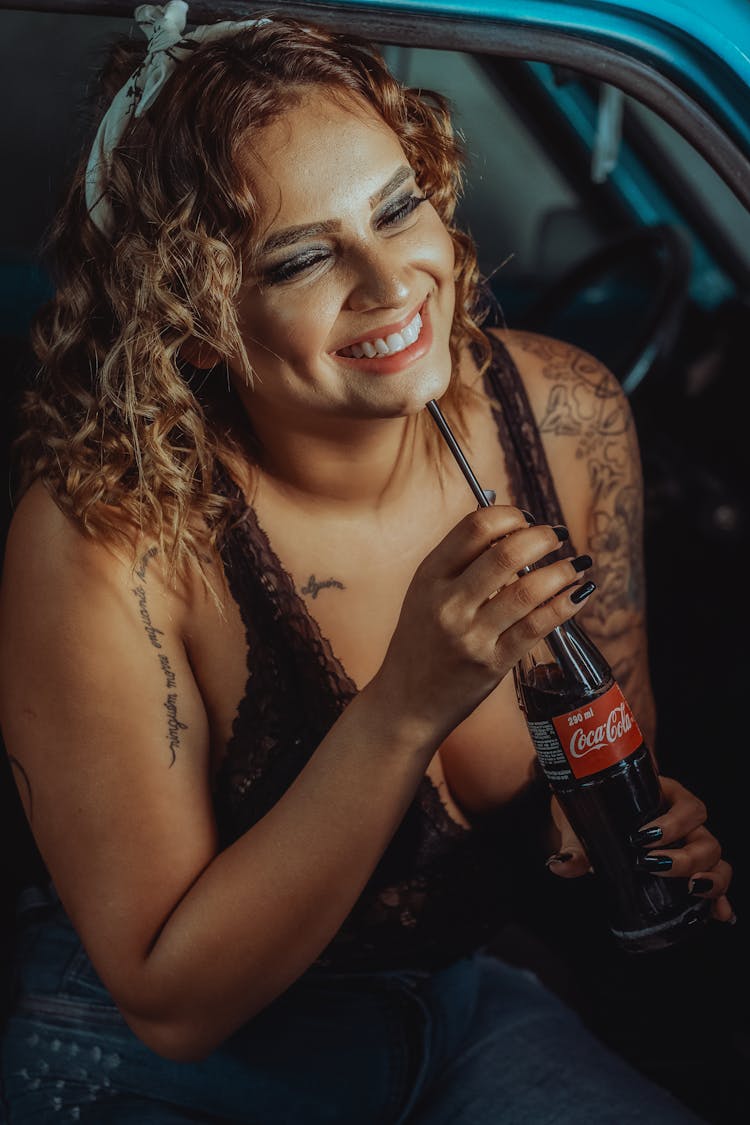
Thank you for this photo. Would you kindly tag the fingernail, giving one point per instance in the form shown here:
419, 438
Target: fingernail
646, 836
582, 592
561, 532
733, 920
559, 857
490, 494
700, 886
527, 516
583, 562
653, 863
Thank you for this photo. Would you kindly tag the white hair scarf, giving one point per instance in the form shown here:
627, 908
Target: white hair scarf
168, 44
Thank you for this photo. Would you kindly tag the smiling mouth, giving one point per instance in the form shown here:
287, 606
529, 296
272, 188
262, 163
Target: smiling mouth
392, 344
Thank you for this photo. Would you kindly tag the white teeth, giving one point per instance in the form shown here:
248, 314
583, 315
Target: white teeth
394, 343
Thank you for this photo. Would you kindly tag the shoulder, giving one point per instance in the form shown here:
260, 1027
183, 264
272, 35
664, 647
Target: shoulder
565, 384
584, 419
579, 405
51, 566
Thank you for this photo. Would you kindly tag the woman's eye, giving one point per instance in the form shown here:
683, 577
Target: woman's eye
285, 271
401, 210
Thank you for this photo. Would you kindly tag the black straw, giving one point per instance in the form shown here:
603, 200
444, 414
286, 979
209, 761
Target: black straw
455, 449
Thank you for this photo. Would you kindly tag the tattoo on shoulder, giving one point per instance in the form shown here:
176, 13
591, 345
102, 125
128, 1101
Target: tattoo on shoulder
585, 403
313, 587
174, 724
149, 555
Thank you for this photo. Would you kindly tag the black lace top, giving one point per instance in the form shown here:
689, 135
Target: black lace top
440, 890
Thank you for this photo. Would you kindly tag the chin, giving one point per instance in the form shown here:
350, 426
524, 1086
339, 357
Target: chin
433, 384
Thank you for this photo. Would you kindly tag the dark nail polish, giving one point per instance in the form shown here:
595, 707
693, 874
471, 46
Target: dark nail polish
645, 836
700, 886
583, 562
528, 516
653, 863
559, 857
582, 592
561, 532
490, 494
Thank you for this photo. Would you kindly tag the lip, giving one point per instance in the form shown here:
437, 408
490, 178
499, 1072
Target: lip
391, 364
381, 333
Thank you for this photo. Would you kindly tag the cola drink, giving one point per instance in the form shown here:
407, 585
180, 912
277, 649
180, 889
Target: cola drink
599, 766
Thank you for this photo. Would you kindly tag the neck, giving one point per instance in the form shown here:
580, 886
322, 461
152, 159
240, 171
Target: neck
346, 465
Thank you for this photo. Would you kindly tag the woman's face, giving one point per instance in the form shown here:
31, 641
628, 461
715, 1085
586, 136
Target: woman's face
348, 311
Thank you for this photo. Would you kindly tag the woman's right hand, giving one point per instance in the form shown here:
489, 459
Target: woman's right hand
469, 615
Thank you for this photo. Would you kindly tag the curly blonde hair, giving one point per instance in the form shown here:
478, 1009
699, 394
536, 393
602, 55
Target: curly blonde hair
117, 422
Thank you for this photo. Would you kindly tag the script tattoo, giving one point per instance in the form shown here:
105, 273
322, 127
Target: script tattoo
314, 587
174, 724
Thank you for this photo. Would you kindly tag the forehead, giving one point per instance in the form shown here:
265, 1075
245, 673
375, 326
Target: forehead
323, 154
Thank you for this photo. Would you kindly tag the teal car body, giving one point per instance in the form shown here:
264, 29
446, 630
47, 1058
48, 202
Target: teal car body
690, 61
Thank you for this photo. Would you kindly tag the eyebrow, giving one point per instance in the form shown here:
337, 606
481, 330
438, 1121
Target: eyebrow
290, 235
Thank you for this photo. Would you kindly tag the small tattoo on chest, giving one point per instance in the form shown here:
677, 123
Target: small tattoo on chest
313, 587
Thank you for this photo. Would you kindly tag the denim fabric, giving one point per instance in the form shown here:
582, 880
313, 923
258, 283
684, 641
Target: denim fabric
474, 1044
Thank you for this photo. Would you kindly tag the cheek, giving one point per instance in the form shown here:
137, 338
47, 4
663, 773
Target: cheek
282, 330
439, 251
449, 250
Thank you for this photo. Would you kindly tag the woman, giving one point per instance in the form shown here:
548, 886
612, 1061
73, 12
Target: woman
255, 643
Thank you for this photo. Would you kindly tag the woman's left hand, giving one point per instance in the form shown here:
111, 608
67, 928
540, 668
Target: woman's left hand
698, 859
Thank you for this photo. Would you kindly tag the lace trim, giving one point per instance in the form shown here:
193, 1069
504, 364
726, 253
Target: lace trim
531, 483
427, 901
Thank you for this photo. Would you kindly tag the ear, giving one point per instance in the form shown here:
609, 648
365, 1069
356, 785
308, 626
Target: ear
199, 354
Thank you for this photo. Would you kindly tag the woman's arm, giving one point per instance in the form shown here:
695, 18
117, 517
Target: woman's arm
104, 720
591, 442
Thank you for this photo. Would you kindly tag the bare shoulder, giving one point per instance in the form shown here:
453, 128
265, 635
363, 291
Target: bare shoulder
570, 390
583, 416
50, 562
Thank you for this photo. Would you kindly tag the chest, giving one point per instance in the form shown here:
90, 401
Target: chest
348, 584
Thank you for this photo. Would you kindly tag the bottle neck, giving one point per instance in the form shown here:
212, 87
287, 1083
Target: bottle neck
578, 657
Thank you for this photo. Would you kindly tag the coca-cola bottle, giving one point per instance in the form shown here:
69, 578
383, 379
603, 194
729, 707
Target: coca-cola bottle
597, 763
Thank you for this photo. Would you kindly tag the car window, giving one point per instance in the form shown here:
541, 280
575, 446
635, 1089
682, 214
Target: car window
531, 217
720, 204
514, 190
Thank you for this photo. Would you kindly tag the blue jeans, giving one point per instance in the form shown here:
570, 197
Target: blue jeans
477, 1043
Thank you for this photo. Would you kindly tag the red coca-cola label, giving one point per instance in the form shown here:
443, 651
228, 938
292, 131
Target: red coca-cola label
599, 734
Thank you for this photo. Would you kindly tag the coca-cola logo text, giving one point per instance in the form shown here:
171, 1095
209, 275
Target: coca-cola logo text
619, 722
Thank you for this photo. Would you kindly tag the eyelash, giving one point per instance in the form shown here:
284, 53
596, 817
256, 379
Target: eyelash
402, 209
285, 271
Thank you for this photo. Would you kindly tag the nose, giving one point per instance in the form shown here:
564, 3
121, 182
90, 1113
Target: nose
381, 279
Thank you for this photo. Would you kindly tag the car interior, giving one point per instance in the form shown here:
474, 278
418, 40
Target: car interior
600, 223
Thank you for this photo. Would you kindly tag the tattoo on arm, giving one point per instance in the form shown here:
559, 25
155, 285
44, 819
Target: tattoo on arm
313, 587
586, 405
16, 765
149, 555
174, 725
